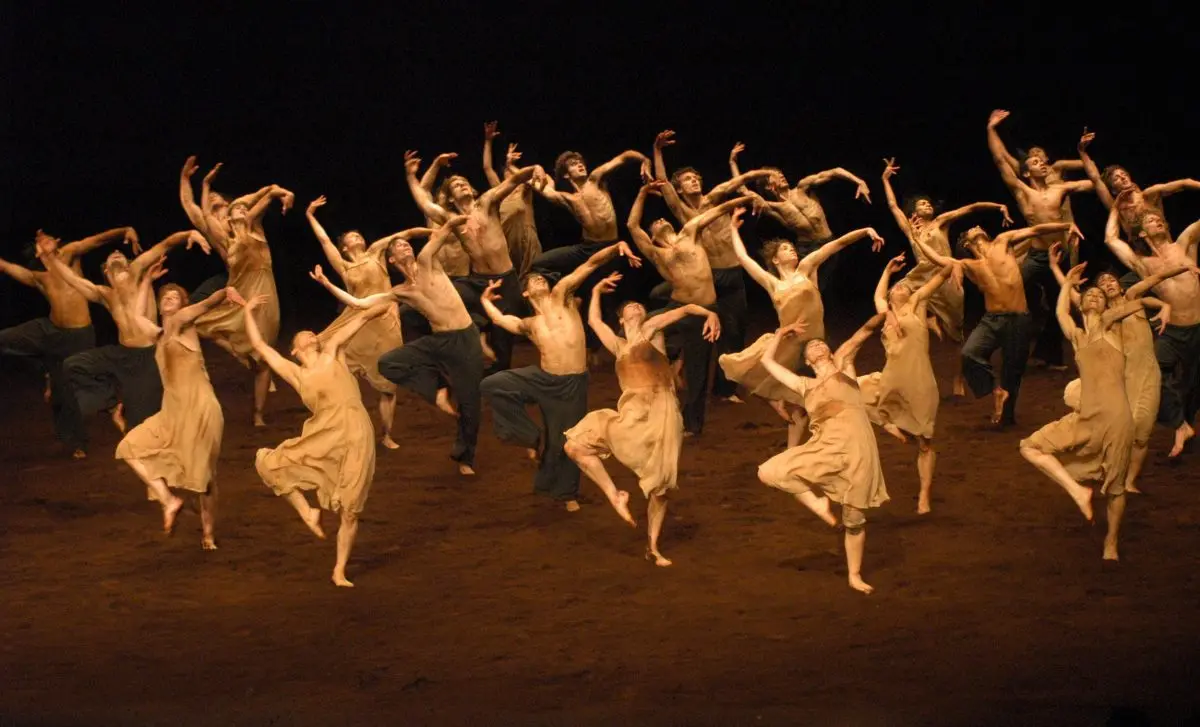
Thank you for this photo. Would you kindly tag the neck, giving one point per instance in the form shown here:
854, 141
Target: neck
823, 367
787, 270
1037, 182
693, 198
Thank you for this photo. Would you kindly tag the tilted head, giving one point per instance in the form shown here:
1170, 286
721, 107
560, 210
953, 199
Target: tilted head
400, 253
570, 165
919, 206
687, 180
776, 182
218, 204
779, 254
352, 243
1110, 284
1093, 300
662, 231
116, 266
1034, 167
44, 242
305, 344
457, 188
535, 285
1117, 179
171, 298
899, 294
972, 242
816, 351
238, 212
1040, 153
631, 314
1150, 226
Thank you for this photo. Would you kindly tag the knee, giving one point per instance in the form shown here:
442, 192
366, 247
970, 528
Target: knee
767, 474
924, 445
349, 518
1029, 453
853, 520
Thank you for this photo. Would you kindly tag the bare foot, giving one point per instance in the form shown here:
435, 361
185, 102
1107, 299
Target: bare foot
781, 409
657, 558
170, 511
572, 506
923, 506
826, 513
894, 430
960, 386
313, 521
858, 584
1182, 434
1132, 489
622, 508
118, 417
934, 326
1110, 551
258, 419
46, 391
1083, 500
735, 399
532, 454
79, 454
999, 396
443, 402
271, 386
388, 442
208, 543
488, 354
466, 470
339, 580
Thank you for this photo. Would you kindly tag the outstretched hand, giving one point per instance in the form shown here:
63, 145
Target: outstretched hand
318, 275
412, 162
863, 191
735, 217
1075, 275
653, 186
1074, 232
158, 269
896, 264
608, 285
664, 139
443, 160
1086, 139
1055, 254
876, 240
312, 206
255, 302
889, 168
212, 173
795, 329
232, 295
1163, 319
491, 292
1007, 221
996, 117
626, 252
646, 173
738, 148
131, 239
712, 327
491, 130
189, 167
195, 238
513, 156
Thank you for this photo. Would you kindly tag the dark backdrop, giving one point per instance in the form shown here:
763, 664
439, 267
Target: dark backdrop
104, 104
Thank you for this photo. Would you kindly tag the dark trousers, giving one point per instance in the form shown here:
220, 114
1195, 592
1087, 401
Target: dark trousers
563, 402
208, 287
1041, 295
1008, 332
103, 377
563, 260
452, 356
51, 345
1178, 354
686, 338
733, 310
470, 289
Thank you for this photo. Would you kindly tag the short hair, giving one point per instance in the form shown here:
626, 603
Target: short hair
764, 183
964, 240
625, 304
1110, 273
910, 203
183, 294
678, 175
1107, 175
529, 276
342, 237
1090, 287
1022, 161
444, 188
1139, 225
560, 164
770, 249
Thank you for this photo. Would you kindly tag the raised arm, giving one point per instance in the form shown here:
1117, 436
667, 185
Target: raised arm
494, 196
889, 171
1092, 171
749, 264
781, 373
143, 262
599, 173
634, 223
88, 289
256, 212
19, 273
571, 282
286, 370
544, 185
713, 214
331, 252
948, 218
681, 209
1055, 255
829, 175
1166, 189
1189, 238
420, 194
187, 197
339, 338
814, 259
1120, 248
736, 184
379, 248
608, 339
508, 322
1005, 163
188, 315
428, 257
712, 324
80, 247
931, 285
894, 265
1140, 288
1062, 309
489, 170
1016, 238
844, 356
349, 300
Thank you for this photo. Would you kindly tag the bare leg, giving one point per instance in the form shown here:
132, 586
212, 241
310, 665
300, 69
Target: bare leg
1182, 434
926, 459
656, 512
1116, 511
309, 514
999, 396
208, 517
1137, 460
46, 390
387, 413
894, 430
855, 544
443, 402
589, 463
780, 409
1053, 469
798, 424
345, 543
960, 386
262, 383
170, 503
118, 417
819, 504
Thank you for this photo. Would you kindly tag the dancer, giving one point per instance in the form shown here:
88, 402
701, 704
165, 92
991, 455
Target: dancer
177, 448
1115, 183
1054, 175
364, 272
335, 453
683, 262
516, 211
946, 303
451, 351
841, 460
794, 287
1178, 347
685, 200
242, 243
559, 385
904, 396
126, 372
645, 433
65, 331
1040, 199
1143, 380
798, 209
1095, 442
995, 268
482, 238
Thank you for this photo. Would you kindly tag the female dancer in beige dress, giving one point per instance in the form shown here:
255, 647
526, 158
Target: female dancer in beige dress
646, 430
841, 460
516, 211
797, 299
904, 396
1093, 443
1143, 378
248, 258
364, 271
335, 453
177, 448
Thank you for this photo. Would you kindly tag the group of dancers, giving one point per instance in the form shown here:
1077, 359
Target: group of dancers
481, 279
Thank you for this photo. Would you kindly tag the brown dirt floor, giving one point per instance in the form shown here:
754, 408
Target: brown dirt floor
478, 603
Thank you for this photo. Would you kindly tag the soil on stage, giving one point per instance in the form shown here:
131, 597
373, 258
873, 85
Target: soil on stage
479, 603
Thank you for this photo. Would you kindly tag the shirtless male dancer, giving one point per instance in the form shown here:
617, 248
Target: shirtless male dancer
1178, 347
451, 351
1040, 199
995, 268
798, 209
127, 370
66, 331
683, 262
558, 386
685, 200
482, 238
